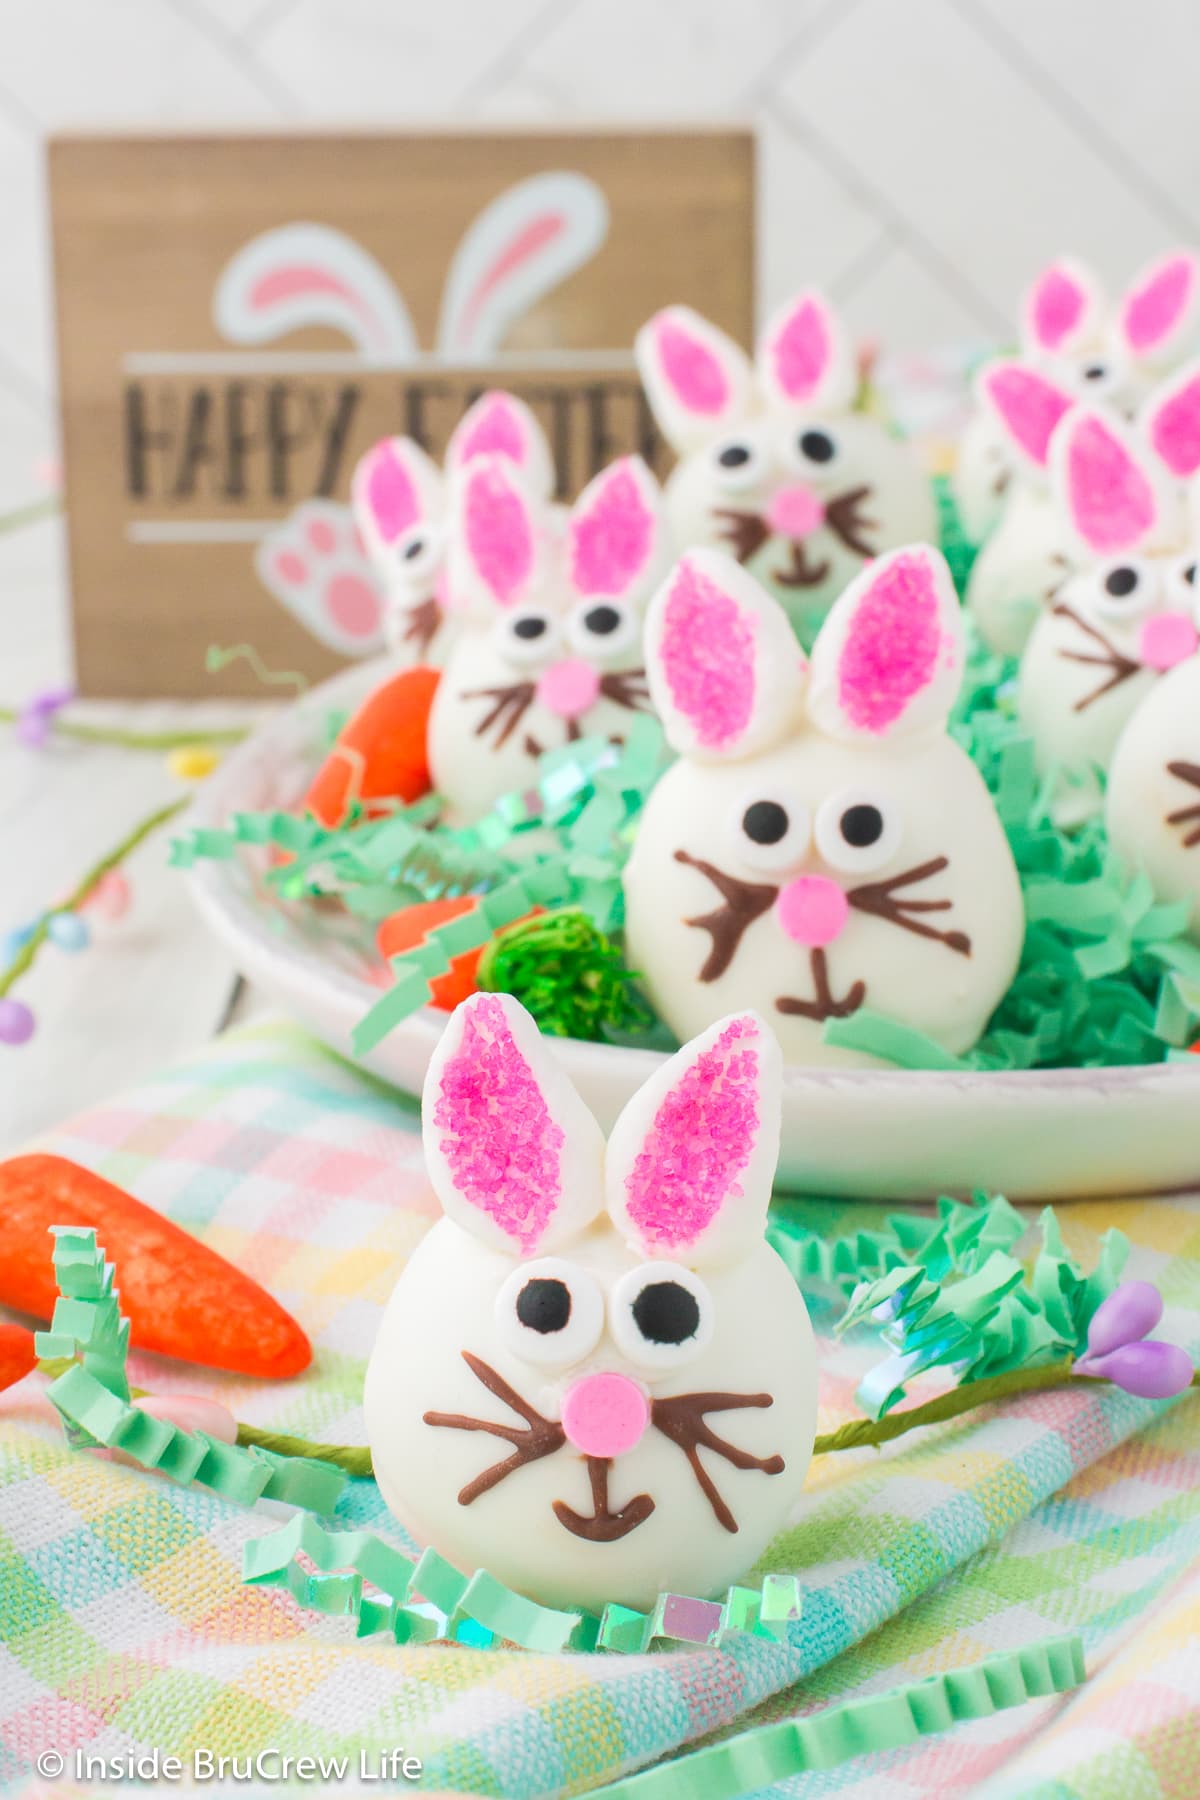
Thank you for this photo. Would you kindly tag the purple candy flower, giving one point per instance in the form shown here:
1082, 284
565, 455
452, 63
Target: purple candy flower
1118, 1349
33, 726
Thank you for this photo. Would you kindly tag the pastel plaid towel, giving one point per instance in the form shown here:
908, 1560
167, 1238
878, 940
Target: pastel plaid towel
124, 1623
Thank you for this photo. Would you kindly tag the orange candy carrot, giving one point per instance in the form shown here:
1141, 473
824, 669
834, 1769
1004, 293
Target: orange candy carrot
17, 1354
405, 930
380, 753
180, 1297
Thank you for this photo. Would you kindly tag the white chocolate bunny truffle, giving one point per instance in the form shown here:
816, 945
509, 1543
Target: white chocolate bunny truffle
821, 844
549, 648
399, 500
1024, 560
1125, 616
1089, 347
775, 463
595, 1378
1153, 799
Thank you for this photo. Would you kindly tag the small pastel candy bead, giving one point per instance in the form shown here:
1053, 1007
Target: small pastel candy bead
16, 1022
68, 931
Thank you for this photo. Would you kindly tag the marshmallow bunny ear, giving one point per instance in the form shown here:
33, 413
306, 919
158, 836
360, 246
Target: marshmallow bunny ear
1063, 309
396, 494
501, 425
528, 240
805, 358
692, 1156
724, 668
616, 534
889, 657
1160, 308
513, 1154
697, 380
497, 538
297, 276
1170, 419
1026, 406
1105, 483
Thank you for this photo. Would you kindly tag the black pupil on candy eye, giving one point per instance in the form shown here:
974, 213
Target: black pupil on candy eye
765, 822
1120, 582
1189, 574
734, 456
602, 620
528, 628
413, 549
861, 826
1095, 372
544, 1305
817, 446
666, 1313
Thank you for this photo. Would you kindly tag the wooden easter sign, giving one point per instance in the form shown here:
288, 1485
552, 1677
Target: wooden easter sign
240, 317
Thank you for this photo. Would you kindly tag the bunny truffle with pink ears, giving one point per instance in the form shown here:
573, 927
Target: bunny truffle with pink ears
1093, 349
1127, 614
776, 464
822, 844
595, 1378
549, 648
399, 500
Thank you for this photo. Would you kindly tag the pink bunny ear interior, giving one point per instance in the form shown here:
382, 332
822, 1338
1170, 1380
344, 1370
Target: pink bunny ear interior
499, 424
803, 358
1159, 305
695, 377
1061, 307
1173, 423
384, 488
513, 1153
723, 665
497, 534
690, 1160
615, 530
1109, 496
890, 654
1027, 406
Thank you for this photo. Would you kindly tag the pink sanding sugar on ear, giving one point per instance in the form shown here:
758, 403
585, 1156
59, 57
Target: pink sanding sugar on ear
502, 1147
707, 656
391, 495
497, 431
1057, 308
498, 535
1112, 502
1030, 406
893, 646
703, 1136
1152, 313
801, 351
1175, 430
611, 542
693, 371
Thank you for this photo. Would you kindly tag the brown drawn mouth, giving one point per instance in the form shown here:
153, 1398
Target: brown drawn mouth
1187, 818
1116, 668
746, 532
681, 1417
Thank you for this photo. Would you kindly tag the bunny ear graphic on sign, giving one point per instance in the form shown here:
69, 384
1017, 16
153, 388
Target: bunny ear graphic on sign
291, 304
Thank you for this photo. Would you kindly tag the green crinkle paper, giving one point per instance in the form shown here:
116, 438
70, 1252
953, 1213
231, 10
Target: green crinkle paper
956, 1297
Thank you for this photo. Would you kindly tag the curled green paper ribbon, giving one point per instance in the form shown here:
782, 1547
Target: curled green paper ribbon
92, 1397
754, 1761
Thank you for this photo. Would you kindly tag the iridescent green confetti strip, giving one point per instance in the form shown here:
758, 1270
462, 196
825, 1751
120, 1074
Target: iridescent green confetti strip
431, 1599
92, 1397
754, 1761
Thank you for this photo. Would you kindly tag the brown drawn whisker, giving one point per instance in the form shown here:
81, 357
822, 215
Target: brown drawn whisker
539, 1437
882, 900
512, 702
726, 925
1186, 815
1120, 667
681, 1418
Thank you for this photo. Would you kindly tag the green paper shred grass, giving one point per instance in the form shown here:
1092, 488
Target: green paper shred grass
955, 545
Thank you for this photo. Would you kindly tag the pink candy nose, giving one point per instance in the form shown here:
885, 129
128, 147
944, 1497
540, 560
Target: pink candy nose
1167, 639
812, 910
795, 511
605, 1415
569, 688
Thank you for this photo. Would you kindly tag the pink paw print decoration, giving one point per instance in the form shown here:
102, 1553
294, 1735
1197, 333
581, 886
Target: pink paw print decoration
316, 566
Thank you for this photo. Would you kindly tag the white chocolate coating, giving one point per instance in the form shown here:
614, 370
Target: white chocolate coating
1153, 799
983, 473
1017, 571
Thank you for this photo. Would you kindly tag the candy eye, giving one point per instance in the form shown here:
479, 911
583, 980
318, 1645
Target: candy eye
737, 464
1124, 588
550, 1312
772, 831
528, 637
661, 1315
602, 628
857, 830
418, 552
1183, 584
815, 447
